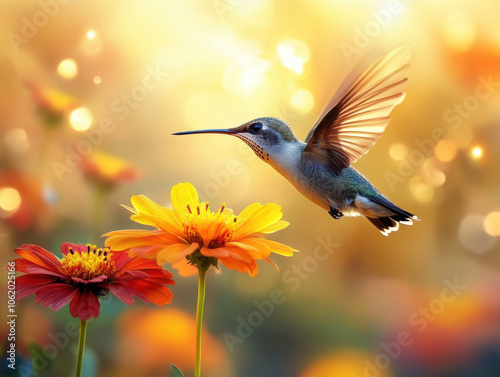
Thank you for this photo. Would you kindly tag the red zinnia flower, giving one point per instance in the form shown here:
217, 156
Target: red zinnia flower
85, 274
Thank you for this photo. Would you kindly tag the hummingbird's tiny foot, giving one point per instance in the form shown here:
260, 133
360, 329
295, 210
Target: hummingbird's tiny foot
335, 213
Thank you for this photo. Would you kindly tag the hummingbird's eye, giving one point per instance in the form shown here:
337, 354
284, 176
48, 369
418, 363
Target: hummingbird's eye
255, 128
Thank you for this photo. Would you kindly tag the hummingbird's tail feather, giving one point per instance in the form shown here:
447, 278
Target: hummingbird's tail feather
388, 224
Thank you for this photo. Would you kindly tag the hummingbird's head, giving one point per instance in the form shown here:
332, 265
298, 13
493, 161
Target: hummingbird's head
268, 137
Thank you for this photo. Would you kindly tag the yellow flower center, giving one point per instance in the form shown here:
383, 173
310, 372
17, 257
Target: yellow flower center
88, 265
207, 228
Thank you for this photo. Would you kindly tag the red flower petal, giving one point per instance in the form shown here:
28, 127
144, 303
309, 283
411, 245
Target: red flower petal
141, 268
129, 275
160, 276
145, 290
96, 280
123, 293
77, 248
55, 295
28, 284
22, 264
39, 256
32, 269
136, 263
84, 305
120, 258
65, 247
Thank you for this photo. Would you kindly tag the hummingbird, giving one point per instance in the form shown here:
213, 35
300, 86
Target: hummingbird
320, 168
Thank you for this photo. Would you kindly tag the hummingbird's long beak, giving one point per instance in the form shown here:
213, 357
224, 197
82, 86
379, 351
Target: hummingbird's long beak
228, 131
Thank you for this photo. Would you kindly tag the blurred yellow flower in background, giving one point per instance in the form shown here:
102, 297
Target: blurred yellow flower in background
104, 172
190, 233
51, 103
107, 170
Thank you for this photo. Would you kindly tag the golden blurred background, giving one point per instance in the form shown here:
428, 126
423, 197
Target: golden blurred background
91, 92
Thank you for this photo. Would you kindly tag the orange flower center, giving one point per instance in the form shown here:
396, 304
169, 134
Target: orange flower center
88, 265
207, 228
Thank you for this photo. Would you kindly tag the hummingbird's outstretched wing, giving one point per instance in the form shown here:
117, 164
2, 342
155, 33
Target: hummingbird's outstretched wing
359, 112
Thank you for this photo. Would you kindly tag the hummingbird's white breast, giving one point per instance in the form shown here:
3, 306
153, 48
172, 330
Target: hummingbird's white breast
285, 158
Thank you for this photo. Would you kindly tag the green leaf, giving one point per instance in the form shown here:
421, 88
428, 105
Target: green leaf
176, 372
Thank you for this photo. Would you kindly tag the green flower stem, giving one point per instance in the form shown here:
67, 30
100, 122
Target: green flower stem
202, 273
81, 347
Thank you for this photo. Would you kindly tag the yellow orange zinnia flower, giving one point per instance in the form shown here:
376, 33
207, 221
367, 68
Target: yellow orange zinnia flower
191, 233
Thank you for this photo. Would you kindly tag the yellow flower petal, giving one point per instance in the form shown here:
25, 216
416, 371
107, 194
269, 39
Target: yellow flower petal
175, 252
148, 212
220, 252
130, 238
256, 250
258, 218
282, 224
260, 248
182, 195
250, 210
240, 266
184, 268
277, 247
146, 251
228, 252
245, 244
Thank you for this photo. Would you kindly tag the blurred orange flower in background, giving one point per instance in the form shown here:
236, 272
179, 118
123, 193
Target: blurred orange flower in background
343, 363
191, 231
152, 339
